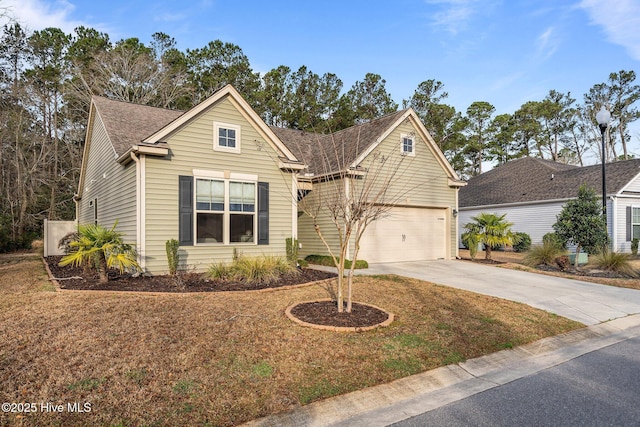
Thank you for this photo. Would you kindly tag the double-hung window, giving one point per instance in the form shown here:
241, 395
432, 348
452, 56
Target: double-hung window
407, 147
225, 211
635, 222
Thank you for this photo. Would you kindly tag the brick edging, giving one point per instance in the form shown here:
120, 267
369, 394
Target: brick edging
338, 328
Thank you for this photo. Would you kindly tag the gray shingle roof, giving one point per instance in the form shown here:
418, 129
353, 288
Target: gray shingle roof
326, 153
532, 179
128, 124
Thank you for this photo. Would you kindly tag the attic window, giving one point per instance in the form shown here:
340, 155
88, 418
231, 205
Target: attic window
407, 146
226, 137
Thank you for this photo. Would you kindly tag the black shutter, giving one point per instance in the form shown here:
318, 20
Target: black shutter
629, 231
263, 213
185, 211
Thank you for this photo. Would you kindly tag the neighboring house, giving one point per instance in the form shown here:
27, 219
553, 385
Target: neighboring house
221, 181
532, 192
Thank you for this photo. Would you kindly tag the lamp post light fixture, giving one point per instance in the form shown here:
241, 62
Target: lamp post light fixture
603, 118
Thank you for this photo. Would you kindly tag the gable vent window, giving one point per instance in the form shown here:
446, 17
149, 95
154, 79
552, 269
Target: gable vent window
226, 137
407, 146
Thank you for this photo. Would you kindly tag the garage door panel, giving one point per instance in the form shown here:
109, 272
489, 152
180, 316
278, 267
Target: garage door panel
406, 234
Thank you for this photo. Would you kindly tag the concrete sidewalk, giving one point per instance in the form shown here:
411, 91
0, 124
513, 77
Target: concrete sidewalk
589, 303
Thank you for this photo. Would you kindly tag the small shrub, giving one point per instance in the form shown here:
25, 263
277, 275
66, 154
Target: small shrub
303, 263
173, 259
553, 239
544, 254
522, 242
326, 260
615, 262
65, 242
292, 250
634, 246
264, 269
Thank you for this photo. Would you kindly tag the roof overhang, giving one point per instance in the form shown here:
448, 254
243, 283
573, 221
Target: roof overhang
157, 151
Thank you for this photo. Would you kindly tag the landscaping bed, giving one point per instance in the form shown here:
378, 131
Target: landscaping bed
78, 278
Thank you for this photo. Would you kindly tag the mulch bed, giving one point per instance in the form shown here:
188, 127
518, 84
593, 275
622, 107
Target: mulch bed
326, 313
184, 282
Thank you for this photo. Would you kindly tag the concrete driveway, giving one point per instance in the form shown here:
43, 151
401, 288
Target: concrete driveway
585, 302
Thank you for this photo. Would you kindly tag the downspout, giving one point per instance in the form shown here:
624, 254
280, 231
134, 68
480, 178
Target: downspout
139, 243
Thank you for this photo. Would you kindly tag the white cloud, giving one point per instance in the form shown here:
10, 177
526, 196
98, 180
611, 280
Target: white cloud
620, 20
547, 43
453, 16
39, 14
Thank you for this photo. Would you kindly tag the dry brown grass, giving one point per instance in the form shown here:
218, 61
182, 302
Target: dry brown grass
514, 260
225, 358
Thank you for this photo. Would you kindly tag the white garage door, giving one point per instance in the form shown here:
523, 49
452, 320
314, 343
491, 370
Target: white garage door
406, 234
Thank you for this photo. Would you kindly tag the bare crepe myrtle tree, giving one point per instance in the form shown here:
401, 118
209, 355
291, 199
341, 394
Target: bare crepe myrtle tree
348, 184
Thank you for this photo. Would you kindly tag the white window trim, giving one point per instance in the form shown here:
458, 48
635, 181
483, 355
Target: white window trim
226, 213
412, 153
633, 223
216, 142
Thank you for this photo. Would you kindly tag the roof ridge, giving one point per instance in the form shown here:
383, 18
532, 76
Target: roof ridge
135, 104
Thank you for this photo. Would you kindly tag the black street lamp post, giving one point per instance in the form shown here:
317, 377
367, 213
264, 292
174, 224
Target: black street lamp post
603, 118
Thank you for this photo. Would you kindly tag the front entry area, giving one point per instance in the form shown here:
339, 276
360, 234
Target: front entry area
406, 234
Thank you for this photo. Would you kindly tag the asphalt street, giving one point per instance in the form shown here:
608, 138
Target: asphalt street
597, 389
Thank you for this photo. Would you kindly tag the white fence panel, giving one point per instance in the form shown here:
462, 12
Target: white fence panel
53, 232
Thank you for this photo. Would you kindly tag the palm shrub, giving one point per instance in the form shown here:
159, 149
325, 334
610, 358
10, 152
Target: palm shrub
491, 230
292, 250
101, 248
615, 262
544, 254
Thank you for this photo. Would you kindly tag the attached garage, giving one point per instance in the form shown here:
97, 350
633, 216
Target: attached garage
406, 234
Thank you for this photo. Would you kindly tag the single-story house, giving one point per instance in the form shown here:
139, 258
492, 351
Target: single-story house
219, 180
532, 192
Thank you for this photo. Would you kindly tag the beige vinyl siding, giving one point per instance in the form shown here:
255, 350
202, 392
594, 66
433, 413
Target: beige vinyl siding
419, 181
307, 235
113, 184
192, 148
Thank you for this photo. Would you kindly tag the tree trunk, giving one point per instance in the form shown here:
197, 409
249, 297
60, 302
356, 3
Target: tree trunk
102, 269
487, 252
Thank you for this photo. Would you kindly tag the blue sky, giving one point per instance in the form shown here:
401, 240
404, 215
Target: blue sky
504, 52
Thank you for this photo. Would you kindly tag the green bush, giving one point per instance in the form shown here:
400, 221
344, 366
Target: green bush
263, 269
544, 254
554, 239
634, 246
303, 263
173, 258
292, 250
522, 242
328, 261
615, 262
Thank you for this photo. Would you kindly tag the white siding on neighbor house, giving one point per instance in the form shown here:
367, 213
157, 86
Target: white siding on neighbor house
112, 184
536, 219
192, 148
622, 203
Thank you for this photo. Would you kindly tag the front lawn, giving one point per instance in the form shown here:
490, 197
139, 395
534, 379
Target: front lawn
223, 358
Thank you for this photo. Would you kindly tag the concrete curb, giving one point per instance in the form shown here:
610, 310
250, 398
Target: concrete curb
401, 399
